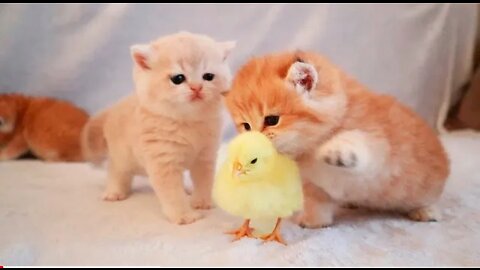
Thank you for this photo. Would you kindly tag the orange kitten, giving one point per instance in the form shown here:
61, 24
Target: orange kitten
172, 123
353, 146
47, 127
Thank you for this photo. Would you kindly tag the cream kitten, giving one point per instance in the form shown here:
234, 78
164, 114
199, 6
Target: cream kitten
172, 123
352, 145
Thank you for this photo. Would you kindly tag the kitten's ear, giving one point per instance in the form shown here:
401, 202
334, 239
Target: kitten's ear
227, 48
141, 55
303, 76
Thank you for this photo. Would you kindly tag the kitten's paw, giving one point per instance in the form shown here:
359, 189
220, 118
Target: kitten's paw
201, 202
346, 150
312, 222
338, 155
425, 214
185, 218
114, 195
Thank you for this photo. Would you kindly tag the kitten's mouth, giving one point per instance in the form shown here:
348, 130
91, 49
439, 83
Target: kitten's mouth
196, 97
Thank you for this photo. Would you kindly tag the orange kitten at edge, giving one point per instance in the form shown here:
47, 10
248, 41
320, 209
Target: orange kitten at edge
171, 123
47, 127
353, 146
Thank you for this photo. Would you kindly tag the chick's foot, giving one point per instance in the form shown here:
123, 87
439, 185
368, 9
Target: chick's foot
244, 230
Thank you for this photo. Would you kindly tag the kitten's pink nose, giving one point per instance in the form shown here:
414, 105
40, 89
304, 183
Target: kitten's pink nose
196, 87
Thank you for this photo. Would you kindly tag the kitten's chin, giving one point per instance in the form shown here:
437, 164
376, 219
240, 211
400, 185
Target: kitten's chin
184, 109
290, 149
294, 144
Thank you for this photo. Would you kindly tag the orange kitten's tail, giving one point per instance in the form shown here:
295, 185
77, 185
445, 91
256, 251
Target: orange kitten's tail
94, 145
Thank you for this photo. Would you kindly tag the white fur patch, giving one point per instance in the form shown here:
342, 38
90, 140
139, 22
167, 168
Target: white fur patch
352, 163
346, 150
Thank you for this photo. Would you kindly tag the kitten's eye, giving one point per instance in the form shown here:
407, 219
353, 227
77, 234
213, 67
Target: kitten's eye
253, 161
246, 126
178, 79
1, 121
271, 120
208, 76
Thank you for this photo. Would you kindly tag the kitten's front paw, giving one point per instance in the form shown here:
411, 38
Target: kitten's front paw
312, 222
346, 150
425, 214
338, 155
114, 195
201, 202
185, 218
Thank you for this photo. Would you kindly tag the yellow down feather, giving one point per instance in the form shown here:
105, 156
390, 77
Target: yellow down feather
255, 181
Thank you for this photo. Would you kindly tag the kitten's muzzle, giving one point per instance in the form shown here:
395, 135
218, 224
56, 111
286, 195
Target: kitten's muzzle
196, 88
196, 92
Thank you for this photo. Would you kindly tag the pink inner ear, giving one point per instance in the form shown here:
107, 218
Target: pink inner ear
307, 81
141, 61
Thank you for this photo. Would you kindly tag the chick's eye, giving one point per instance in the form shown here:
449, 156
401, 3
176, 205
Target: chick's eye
178, 79
246, 126
271, 120
253, 161
208, 76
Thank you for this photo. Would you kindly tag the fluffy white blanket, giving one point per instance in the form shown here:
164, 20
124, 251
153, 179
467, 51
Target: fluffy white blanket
52, 214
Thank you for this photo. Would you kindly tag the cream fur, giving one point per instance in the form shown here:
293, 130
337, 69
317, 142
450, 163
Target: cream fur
161, 131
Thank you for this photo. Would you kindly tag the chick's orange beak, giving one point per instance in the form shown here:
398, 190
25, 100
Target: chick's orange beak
237, 168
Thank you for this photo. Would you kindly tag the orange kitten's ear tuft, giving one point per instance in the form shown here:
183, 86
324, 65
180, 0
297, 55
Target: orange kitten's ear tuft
141, 54
227, 48
303, 76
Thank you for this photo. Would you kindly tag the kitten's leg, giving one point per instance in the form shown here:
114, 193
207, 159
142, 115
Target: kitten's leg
202, 173
167, 181
355, 150
120, 173
119, 183
14, 149
428, 213
319, 209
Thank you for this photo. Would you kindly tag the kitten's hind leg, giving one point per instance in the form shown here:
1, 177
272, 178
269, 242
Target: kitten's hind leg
118, 184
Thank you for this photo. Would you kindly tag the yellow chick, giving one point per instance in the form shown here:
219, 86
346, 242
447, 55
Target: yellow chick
256, 182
